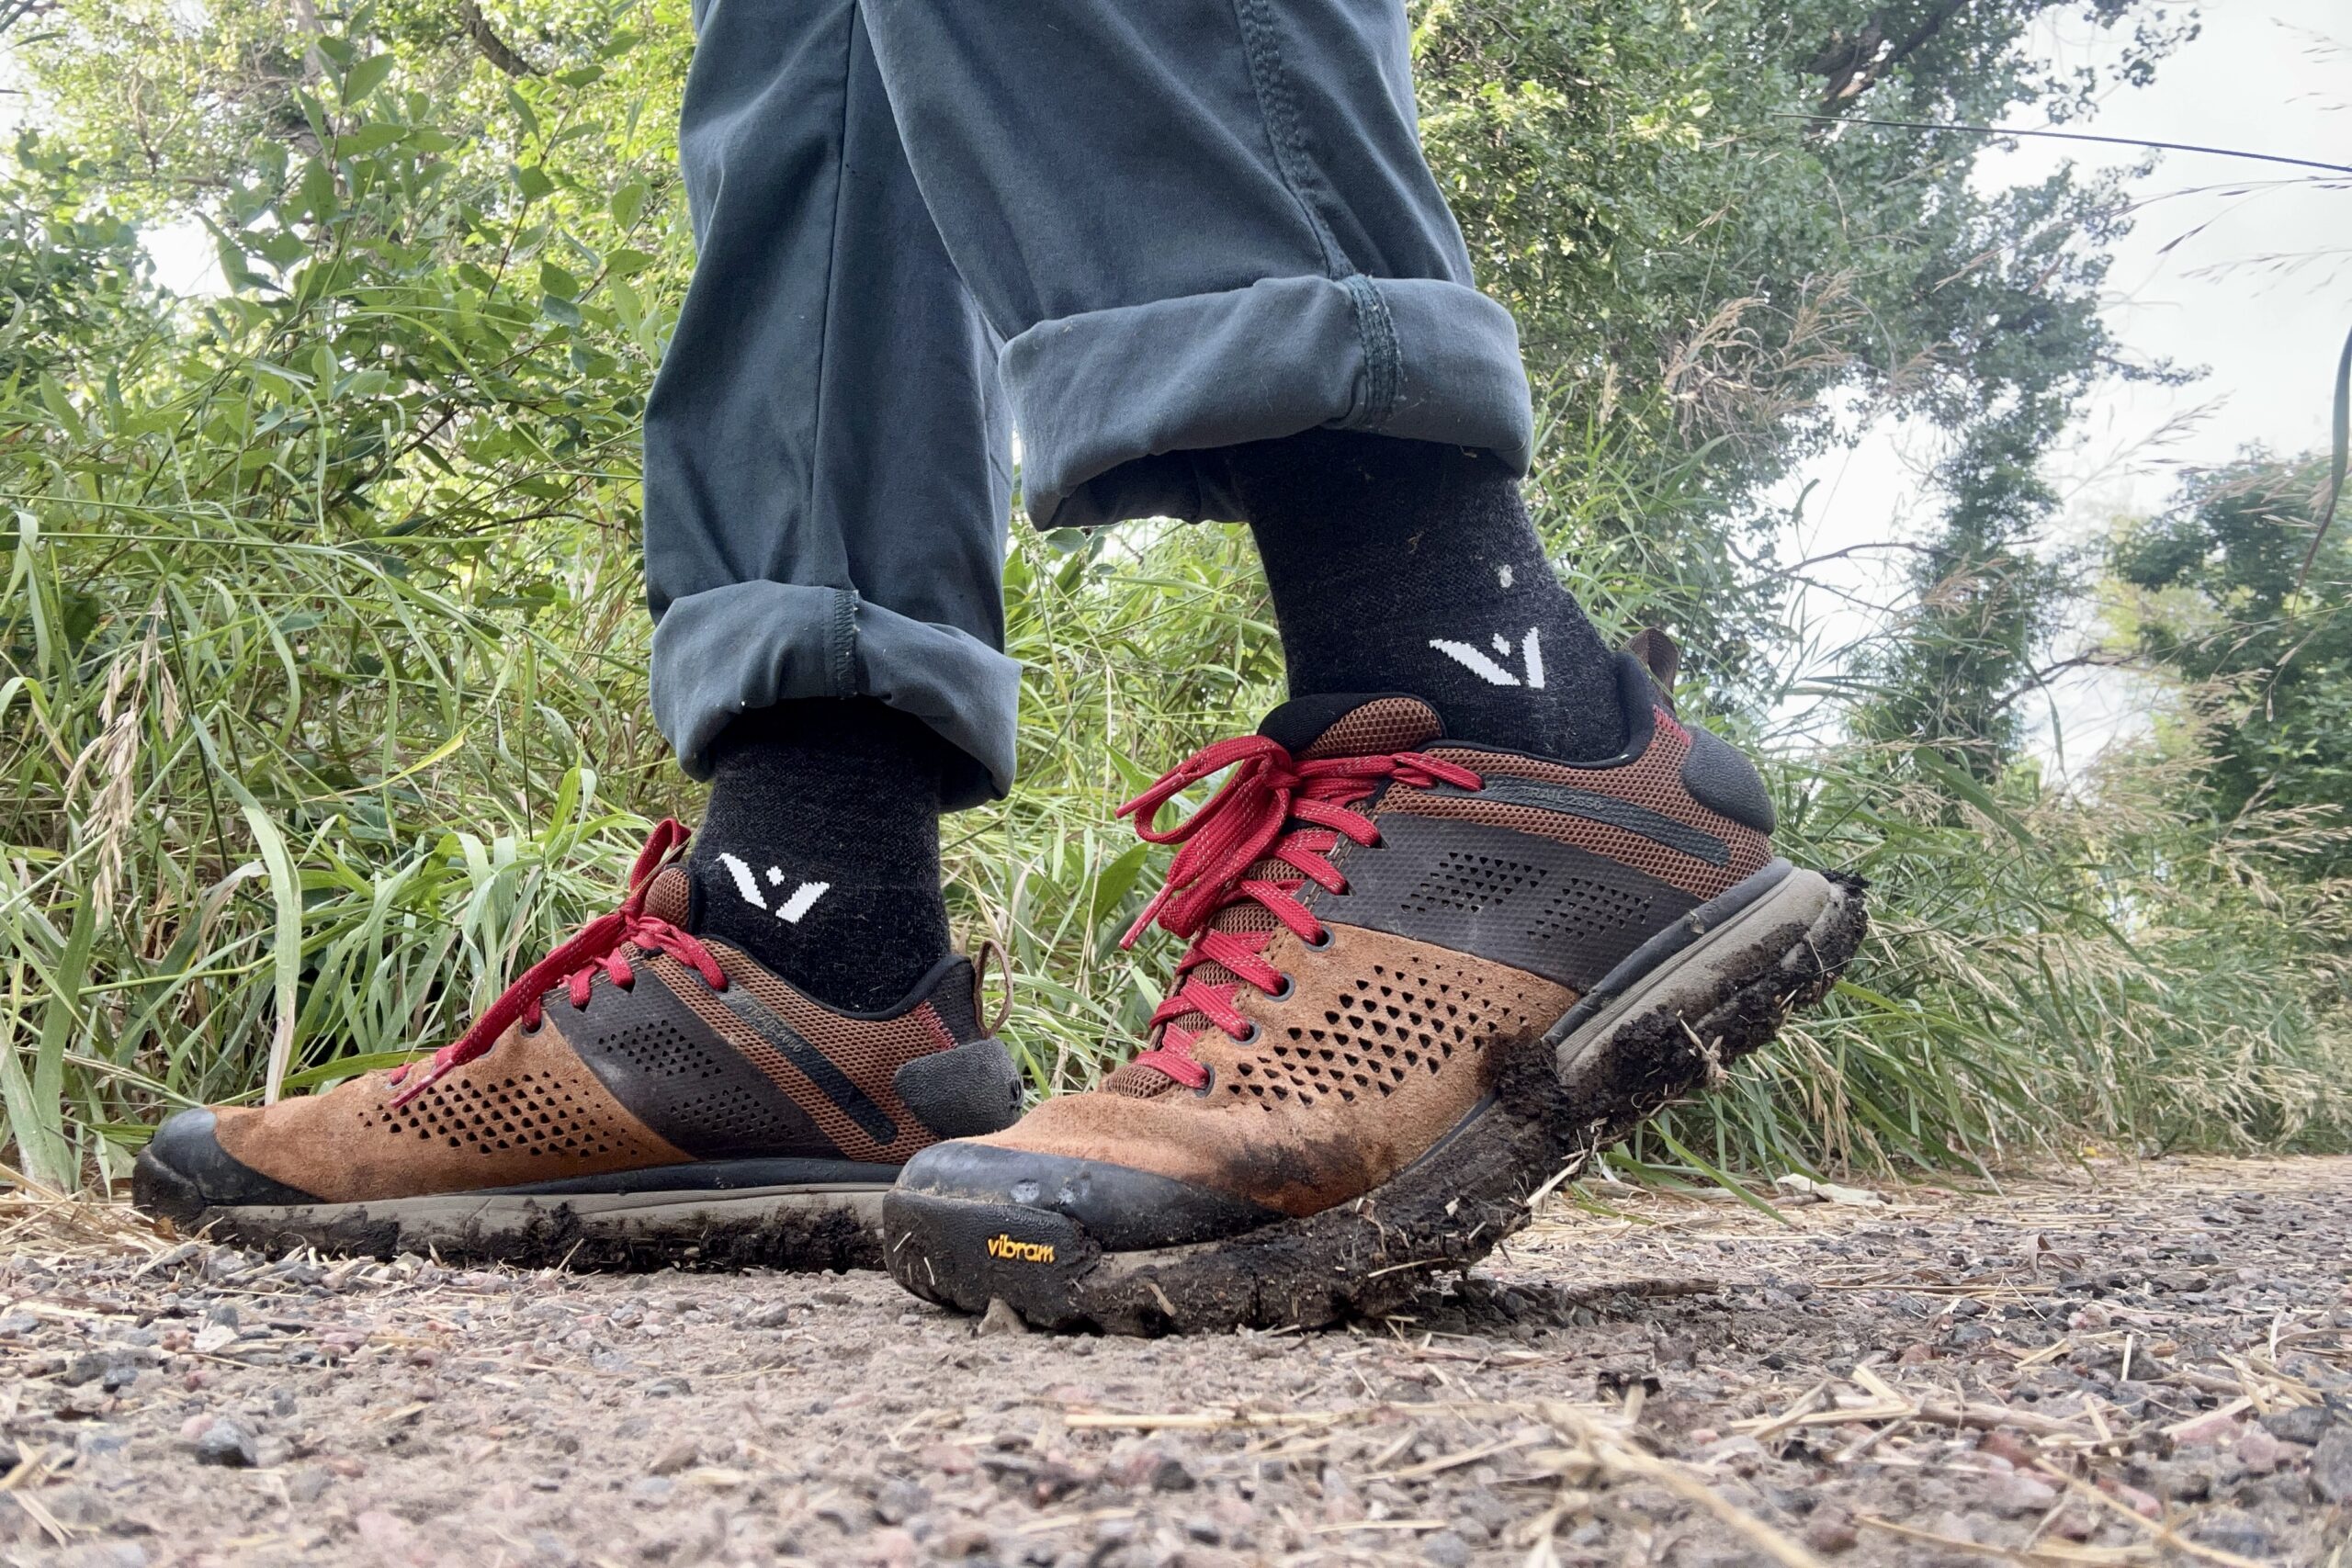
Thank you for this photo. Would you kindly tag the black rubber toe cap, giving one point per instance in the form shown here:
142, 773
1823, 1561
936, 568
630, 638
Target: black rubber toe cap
1123, 1209
183, 1171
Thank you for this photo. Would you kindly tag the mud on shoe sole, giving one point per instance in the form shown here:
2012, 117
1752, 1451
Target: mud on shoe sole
1710, 990
804, 1226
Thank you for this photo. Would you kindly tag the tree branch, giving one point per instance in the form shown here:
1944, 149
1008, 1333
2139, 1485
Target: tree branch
1853, 68
495, 49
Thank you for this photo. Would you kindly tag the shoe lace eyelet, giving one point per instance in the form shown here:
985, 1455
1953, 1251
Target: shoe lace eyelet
1208, 1082
1248, 1036
1283, 993
525, 1030
1321, 942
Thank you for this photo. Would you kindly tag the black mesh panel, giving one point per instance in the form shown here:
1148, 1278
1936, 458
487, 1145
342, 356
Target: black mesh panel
1546, 907
680, 1078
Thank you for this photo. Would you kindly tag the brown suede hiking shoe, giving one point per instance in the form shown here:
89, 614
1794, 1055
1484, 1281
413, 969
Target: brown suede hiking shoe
641, 1095
1426, 976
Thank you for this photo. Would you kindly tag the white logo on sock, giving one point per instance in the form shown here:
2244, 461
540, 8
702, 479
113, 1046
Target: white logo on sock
803, 897
1503, 574
1530, 655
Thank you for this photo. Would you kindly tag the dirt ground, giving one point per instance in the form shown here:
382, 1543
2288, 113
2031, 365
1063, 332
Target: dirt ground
2150, 1363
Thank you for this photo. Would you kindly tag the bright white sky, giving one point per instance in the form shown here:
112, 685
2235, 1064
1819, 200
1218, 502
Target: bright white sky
2240, 268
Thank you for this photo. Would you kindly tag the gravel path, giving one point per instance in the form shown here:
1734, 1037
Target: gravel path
2151, 1364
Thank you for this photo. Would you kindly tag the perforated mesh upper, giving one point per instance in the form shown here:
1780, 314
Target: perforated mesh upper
1465, 883
1392, 1020
490, 1113
1580, 905
695, 1084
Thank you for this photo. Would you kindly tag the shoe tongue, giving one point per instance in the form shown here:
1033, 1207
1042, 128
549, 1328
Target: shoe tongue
1345, 725
671, 896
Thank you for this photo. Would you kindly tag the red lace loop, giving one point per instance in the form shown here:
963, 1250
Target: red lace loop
1273, 808
600, 947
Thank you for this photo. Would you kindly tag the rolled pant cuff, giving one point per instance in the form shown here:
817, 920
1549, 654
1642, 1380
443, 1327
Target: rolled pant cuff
751, 645
1111, 404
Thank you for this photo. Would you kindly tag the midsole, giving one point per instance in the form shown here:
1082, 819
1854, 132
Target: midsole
463, 1208
1778, 892
773, 1173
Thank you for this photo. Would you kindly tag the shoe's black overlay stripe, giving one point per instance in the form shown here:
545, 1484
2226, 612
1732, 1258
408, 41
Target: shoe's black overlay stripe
1568, 801
680, 1078
818, 1068
1536, 903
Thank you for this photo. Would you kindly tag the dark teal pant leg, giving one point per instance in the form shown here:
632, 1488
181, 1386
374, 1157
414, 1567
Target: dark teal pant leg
1197, 223
1149, 229
827, 467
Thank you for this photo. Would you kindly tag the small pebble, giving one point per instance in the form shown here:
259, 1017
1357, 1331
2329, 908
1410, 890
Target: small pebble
1446, 1550
2234, 1530
901, 1500
678, 1456
2303, 1424
1830, 1528
1000, 1319
2259, 1451
225, 1443
2332, 1466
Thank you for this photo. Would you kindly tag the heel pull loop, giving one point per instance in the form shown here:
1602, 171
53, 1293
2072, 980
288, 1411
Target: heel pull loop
991, 955
1663, 660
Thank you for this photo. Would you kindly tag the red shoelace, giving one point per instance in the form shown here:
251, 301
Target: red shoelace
1274, 808
601, 947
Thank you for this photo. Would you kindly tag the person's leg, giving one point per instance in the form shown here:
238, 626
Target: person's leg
1231, 290
827, 481
1472, 901
731, 1065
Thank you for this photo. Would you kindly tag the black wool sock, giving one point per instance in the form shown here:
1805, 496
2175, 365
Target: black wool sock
819, 852
1409, 566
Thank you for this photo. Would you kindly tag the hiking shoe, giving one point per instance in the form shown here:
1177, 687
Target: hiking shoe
642, 1095
1427, 978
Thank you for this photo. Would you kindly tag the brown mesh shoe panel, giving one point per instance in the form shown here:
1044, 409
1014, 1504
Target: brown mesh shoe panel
526, 1111
1653, 783
1391, 724
688, 1080
867, 1052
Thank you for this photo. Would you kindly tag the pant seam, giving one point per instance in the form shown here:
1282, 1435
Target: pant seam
842, 637
1383, 361
1280, 116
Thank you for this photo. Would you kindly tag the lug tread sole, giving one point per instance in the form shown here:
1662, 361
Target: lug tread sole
832, 1226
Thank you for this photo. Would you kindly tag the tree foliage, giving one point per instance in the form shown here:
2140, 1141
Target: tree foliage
2216, 605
